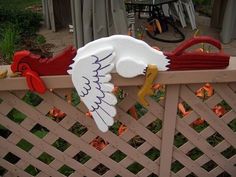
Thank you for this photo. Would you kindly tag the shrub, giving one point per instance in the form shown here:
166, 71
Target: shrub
27, 22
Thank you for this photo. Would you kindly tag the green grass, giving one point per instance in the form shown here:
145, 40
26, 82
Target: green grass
39, 131
118, 156
9, 37
16, 116
46, 158
135, 167
61, 144
18, 4
32, 99
66, 170
32, 170
82, 157
25, 145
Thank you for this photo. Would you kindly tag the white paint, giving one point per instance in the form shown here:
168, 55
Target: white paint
94, 62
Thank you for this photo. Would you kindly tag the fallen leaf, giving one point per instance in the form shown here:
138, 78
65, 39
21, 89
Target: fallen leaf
89, 114
200, 93
183, 110
57, 114
206, 90
121, 129
99, 143
69, 98
115, 90
198, 121
156, 86
132, 111
209, 89
219, 110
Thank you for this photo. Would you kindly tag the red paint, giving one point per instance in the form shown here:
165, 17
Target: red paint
180, 59
33, 66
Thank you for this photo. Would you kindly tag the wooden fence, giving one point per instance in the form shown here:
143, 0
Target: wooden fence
161, 142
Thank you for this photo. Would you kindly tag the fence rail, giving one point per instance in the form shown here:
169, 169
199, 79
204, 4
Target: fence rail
156, 141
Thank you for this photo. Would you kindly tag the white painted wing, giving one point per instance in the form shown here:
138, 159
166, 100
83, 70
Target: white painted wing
91, 78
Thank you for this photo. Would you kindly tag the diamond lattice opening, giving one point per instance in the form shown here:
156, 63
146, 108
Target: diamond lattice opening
229, 152
12, 158
39, 130
4, 132
155, 126
209, 165
205, 92
159, 92
135, 167
32, 170
221, 108
215, 139
99, 143
199, 125
118, 128
101, 169
195, 153
74, 98
232, 125
25, 145
176, 166
3, 171
183, 109
61, 144
66, 170
153, 153
136, 141
118, 156
16, 116
78, 129
46, 158
56, 114
140, 110
82, 157
224, 174
152, 175
32, 99
119, 93
191, 175
179, 140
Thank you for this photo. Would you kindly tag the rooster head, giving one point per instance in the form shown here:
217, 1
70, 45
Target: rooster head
18, 57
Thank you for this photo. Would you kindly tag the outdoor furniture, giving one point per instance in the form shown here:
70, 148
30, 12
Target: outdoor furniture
188, 5
139, 5
157, 21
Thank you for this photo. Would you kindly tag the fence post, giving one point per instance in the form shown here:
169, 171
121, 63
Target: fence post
168, 129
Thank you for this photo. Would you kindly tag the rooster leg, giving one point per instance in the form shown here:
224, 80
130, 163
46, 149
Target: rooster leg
146, 90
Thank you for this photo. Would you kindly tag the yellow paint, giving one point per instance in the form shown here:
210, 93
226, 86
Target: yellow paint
147, 89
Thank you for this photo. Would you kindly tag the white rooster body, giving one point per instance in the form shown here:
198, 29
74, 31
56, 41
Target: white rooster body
95, 61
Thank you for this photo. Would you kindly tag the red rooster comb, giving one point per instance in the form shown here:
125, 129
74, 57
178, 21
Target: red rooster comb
18, 56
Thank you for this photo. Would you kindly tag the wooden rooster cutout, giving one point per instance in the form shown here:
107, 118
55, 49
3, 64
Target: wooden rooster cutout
33, 66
